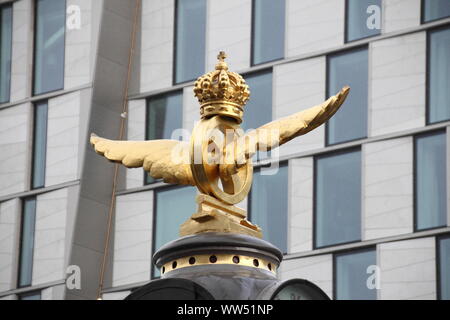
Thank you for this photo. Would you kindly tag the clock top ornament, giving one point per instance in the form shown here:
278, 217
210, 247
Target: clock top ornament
221, 92
218, 158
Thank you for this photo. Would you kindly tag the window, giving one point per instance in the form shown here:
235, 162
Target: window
35, 295
443, 267
350, 122
39, 144
439, 75
337, 198
435, 9
362, 18
190, 39
268, 30
5, 52
268, 204
27, 241
258, 110
431, 194
164, 116
173, 207
353, 276
49, 45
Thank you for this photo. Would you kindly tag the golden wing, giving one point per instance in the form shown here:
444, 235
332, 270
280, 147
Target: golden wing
162, 159
278, 132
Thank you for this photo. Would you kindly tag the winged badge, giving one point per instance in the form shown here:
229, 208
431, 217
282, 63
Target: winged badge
222, 95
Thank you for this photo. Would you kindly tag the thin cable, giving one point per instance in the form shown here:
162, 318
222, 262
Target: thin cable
116, 166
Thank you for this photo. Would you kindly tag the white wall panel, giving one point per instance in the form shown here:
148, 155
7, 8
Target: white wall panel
9, 221
136, 132
229, 30
397, 84
157, 44
50, 237
63, 139
388, 188
408, 269
15, 123
299, 86
400, 14
314, 25
301, 175
133, 238
316, 269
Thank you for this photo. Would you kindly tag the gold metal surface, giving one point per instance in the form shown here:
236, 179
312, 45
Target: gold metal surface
215, 216
220, 259
217, 162
210, 178
155, 156
222, 92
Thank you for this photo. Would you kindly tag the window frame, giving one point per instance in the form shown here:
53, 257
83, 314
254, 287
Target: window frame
438, 239
174, 54
29, 294
422, 14
328, 94
175, 44
153, 267
415, 171
154, 222
335, 254
428, 74
19, 254
33, 71
346, 20
280, 164
2, 6
255, 73
147, 133
314, 205
252, 36
284, 163
33, 154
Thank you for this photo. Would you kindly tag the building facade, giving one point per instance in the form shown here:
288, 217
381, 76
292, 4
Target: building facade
359, 206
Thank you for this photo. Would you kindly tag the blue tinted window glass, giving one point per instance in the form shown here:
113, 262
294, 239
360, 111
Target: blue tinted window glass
439, 76
5, 52
268, 204
27, 242
190, 39
431, 191
173, 207
338, 199
363, 19
49, 45
435, 9
444, 267
30, 296
39, 144
352, 273
258, 110
164, 116
268, 30
350, 122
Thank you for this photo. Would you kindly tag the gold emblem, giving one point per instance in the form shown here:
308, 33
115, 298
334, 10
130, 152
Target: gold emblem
217, 160
222, 92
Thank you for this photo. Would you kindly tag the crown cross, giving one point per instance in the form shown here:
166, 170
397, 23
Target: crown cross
222, 56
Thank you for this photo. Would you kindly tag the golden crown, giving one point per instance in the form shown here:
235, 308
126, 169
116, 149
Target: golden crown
222, 92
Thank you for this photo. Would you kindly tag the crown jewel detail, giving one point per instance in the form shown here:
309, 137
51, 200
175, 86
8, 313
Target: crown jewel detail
221, 92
